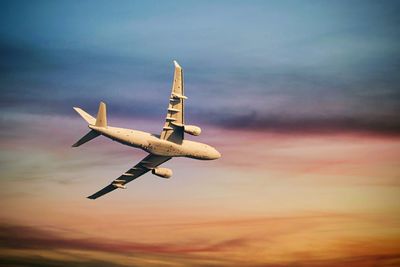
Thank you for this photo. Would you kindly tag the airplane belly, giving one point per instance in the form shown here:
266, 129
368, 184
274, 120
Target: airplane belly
128, 137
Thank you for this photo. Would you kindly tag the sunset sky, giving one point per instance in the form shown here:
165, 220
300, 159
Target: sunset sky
302, 99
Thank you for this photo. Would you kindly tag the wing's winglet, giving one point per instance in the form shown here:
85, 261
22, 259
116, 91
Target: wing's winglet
177, 65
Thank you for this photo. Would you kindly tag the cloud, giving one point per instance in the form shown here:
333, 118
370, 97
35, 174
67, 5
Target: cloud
23, 241
52, 81
259, 95
310, 125
25, 237
383, 259
22, 244
41, 261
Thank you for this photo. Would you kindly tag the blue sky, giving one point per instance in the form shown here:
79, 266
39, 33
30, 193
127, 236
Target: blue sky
271, 60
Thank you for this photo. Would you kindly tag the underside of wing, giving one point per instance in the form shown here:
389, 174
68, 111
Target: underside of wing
148, 163
174, 122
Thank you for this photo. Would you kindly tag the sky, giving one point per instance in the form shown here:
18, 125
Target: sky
302, 99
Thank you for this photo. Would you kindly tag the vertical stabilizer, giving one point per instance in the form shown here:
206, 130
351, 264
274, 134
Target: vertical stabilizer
101, 120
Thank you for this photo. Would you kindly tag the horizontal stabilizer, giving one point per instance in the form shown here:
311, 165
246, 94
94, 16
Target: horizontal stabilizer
87, 117
89, 136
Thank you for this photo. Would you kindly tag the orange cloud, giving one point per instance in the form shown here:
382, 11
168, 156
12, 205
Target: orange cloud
27, 237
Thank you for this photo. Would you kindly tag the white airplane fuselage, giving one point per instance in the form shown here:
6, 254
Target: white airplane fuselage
154, 145
161, 148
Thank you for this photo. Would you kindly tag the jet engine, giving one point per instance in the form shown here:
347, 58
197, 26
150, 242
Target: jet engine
162, 172
192, 129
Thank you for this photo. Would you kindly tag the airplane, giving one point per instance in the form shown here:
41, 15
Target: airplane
161, 148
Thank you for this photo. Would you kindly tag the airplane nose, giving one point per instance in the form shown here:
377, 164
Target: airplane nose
211, 153
216, 154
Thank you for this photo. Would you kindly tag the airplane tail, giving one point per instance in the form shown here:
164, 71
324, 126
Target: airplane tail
100, 121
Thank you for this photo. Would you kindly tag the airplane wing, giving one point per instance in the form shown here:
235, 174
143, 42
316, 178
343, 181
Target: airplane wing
174, 122
148, 163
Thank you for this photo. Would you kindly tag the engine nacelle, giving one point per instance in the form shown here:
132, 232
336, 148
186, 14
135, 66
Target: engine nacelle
192, 129
162, 172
